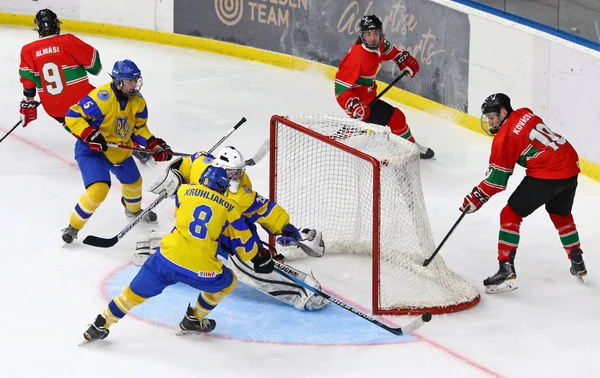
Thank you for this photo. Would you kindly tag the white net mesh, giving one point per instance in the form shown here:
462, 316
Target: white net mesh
330, 189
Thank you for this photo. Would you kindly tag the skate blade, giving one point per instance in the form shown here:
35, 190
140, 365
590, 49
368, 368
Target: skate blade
508, 285
188, 333
583, 279
182, 332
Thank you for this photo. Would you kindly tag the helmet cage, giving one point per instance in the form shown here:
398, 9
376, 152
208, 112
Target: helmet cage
371, 23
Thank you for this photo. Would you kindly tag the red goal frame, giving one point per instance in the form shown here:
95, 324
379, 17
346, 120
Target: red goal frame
375, 261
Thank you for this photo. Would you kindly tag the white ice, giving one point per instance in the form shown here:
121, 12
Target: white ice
49, 293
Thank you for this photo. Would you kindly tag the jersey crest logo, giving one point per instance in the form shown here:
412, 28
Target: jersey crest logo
103, 95
122, 127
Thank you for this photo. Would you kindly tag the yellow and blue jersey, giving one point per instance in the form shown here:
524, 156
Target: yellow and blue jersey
120, 121
203, 218
255, 208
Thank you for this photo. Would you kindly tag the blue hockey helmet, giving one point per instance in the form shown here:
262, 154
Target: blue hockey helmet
46, 23
127, 70
215, 178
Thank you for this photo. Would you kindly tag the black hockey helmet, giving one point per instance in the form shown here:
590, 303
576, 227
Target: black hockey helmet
493, 104
371, 23
47, 23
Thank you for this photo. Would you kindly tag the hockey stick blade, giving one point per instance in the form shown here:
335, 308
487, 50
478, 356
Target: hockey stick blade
97, 241
260, 154
291, 274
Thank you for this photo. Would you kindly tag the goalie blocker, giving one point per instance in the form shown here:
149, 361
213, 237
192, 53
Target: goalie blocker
272, 284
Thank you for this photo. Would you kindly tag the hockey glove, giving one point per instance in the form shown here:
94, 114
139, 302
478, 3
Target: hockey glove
159, 144
28, 110
289, 236
356, 109
407, 62
94, 139
474, 200
263, 262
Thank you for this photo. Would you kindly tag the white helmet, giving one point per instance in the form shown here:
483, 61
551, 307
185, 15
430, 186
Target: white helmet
233, 162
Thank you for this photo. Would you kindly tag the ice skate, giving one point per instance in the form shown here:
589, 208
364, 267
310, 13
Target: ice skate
190, 324
505, 279
151, 217
425, 153
97, 331
578, 265
69, 234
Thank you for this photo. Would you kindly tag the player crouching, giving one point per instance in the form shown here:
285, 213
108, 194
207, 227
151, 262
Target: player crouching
204, 218
256, 209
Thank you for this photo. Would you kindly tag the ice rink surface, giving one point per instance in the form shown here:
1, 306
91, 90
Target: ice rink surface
549, 327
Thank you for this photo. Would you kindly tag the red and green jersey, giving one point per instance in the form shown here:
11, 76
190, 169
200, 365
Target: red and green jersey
57, 66
524, 139
356, 75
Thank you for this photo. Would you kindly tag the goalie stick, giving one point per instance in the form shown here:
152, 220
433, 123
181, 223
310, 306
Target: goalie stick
97, 241
259, 155
292, 274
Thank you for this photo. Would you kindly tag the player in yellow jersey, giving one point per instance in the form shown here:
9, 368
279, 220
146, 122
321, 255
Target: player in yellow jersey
112, 113
204, 217
256, 209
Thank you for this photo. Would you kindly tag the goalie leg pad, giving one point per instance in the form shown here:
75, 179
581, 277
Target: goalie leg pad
278, 287
147, 247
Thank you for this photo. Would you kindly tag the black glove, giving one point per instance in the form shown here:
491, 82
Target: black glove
263, 262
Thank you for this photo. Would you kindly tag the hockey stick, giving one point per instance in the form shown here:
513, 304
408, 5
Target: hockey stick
259, 155
97, 241
419, 259
390, 85
292, 274
11, 130
144, 150
106, 243
344, 132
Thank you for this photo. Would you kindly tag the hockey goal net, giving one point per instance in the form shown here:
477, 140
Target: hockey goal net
360, 186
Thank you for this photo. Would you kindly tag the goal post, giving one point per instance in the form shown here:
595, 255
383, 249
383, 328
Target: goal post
360, 186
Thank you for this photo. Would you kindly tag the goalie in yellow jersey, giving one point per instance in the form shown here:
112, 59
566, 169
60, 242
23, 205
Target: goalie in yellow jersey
204, 217
256, 209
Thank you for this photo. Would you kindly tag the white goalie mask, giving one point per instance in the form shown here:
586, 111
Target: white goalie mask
234, 164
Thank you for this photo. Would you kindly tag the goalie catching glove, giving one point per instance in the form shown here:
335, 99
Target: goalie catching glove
309, 240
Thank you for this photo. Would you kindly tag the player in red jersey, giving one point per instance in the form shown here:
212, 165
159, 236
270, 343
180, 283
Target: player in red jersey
55, 66
552, 166
355, 85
